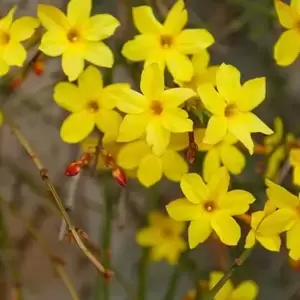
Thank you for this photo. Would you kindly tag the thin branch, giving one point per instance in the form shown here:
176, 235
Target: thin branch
44, 174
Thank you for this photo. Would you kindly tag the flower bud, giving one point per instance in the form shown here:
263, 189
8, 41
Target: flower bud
119, 176
72, 169
39, 67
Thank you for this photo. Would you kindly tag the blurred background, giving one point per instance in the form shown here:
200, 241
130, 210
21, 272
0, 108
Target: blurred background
245, 33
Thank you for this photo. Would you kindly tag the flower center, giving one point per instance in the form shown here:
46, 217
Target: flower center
4, 38
231, 110
167, 233
73, 36
156, 107
166, 41
93, 106
209, 206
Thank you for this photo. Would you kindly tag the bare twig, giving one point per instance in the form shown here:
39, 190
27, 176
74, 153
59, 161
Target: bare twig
44, 174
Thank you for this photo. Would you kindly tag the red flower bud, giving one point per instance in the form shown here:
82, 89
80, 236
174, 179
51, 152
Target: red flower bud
16, 83
72, 169
119, 176
39, 67
192, 152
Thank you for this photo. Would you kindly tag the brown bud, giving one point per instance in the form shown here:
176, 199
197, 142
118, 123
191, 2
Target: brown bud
119, 176
72, 169
192, 152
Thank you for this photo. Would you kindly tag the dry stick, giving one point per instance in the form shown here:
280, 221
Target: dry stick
45, 177
55, 261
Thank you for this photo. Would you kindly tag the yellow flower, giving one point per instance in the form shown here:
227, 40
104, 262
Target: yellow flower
167, 44
155, 113
231, 107
90, 104
210, 207
295, 162
202, 73
77, 36
287, 47
150, 167
264, 228
287, 216
163, 235
246, 290
12, 33
222, 153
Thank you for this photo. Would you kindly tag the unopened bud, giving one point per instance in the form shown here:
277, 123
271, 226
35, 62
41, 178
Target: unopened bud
119, 176
16, 83
108, 275
192, 152
72, 169
39, 67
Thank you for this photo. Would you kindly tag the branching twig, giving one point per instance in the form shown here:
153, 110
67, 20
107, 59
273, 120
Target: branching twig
47, 181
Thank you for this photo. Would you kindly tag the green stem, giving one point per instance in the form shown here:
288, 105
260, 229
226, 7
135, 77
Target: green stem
237, 263
170, 294
143, 275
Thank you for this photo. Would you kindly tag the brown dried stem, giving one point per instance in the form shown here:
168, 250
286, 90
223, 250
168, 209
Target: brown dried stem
44, 174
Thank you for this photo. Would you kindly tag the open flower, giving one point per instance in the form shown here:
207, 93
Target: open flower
155, 113
90, 104
167, 44
150, 167
287, 216
210, 207
231, 107
295, 162
77, 36
287, 47
222, 153
12, 33
163, 235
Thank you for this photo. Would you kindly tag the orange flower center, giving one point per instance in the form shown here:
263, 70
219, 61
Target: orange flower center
156, 107
4, 38
73, 36
166, 41
93, 106
231, 110
167, 233
209, 206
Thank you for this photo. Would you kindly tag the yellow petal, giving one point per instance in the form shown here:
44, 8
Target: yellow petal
54, 43
69, 97
140, 48
52, 18
77, 127
176, 96
236, 202
295, 5
178, 141
183, 210
131, 154
194, 188
281, 197
110, 95
226, 228
14, 54
199, 231
174, 166
72, 64
176, 120
108, 121
199, 135
23, 28
247, 290
292, 237
100, 27
131, 102
233, 159
79, 11
150, 170
250, 239
253, 93
152, 81
227, 288
296, 175
90, 83
287, 48
145, 21
157, 136
4, 68
216, 130
133, 127
286, 14
271, 243
6, 21
211, 163
218, 184
179, 65
147, 236
200, 60
228, 80
211, 99
176, 18
192, 41
99, 54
